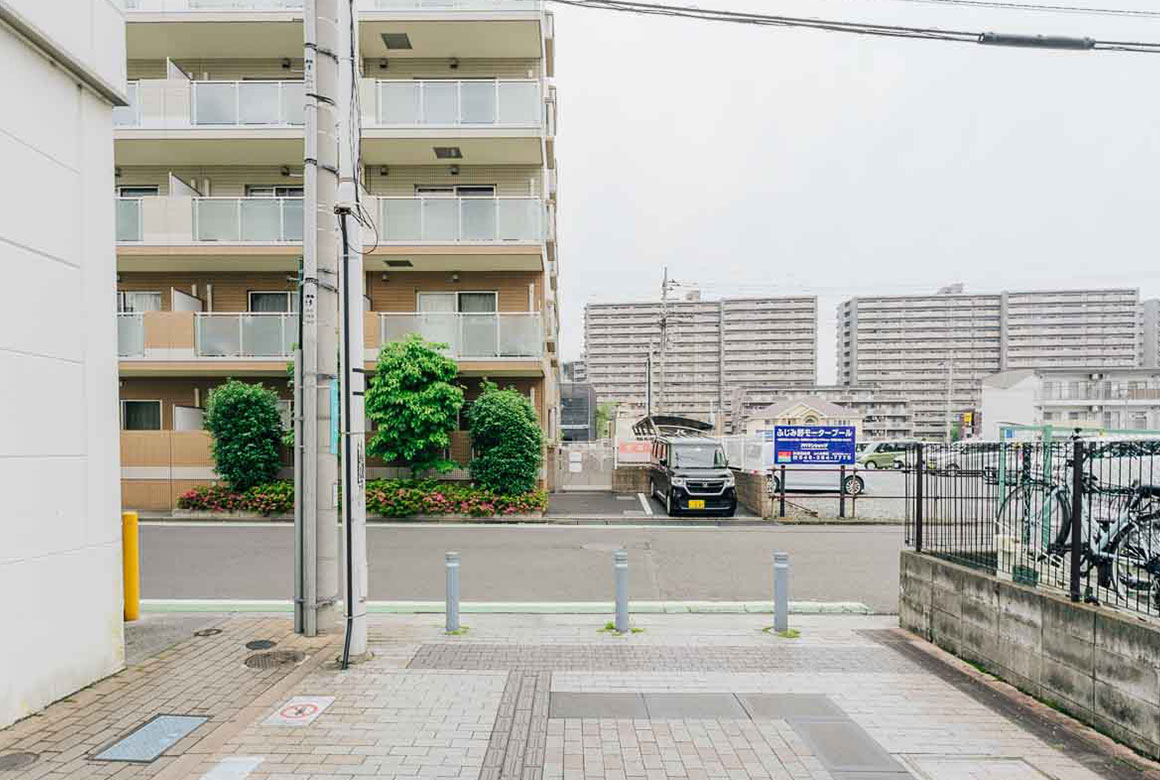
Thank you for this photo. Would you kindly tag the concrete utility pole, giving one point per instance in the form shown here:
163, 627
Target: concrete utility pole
664, 341
348, 208
316, 461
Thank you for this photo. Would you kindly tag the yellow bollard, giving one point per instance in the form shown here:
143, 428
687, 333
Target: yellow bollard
131, 564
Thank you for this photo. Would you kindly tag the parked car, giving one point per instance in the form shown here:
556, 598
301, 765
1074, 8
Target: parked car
805, 477
690, 474
884, 454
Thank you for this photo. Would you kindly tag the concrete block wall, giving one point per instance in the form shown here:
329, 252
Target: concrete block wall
1098, 666
752, 494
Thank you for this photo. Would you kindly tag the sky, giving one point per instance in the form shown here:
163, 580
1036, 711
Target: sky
766, 161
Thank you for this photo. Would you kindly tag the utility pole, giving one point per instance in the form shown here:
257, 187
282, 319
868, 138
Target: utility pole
664, 337
316, 468
351, 283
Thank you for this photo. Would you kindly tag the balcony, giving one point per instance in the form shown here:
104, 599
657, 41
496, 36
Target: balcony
462, 220
160, 343
471, 337
481, 121
181, 122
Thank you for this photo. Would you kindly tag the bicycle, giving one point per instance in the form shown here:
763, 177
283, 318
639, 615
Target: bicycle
1124, 548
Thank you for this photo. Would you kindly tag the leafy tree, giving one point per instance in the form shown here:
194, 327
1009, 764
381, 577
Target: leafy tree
605, 415
413, 404
247, 433
506, 436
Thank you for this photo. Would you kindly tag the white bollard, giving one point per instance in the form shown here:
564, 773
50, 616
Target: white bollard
452, 560
780, 592
620, 574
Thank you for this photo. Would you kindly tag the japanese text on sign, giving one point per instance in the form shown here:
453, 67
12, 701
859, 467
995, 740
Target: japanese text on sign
819, 444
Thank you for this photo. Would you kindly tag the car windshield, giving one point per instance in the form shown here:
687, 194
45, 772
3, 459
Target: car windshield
698, 456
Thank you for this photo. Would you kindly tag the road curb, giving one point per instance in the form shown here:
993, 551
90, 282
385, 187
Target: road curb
522, 607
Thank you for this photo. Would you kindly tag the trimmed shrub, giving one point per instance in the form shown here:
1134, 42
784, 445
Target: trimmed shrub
413, 405
269, 499
247, 433
507, 439
400, 498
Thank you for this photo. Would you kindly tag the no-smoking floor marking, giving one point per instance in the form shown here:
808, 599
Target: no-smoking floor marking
299, 711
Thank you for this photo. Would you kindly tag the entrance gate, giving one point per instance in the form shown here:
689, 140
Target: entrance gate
585, 465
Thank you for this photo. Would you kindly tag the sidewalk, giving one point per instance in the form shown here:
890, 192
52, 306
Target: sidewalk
549, 697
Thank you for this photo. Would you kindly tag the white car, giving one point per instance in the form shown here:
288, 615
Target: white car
801, 477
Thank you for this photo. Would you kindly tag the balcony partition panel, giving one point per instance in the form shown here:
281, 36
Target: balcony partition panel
130, 334
129, 219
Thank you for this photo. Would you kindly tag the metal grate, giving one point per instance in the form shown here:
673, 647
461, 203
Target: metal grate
274, 659
208, 632
260, 644
152, 738
14, 762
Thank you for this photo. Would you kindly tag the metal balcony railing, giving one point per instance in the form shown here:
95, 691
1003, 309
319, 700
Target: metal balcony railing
476, 336
247, 103
246, 334
130, 334
483, 102
264, 220
455, 220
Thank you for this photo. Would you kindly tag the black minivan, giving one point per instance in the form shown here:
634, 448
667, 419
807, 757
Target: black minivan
690, 474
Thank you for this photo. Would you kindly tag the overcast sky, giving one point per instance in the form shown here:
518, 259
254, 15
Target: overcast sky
757, 160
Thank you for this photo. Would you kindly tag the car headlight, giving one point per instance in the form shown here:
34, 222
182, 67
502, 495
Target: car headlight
729, 481
678, 481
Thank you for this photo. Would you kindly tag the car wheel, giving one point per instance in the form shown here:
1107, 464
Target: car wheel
854, 486
899, 464
669, 503
870, 465
652, 489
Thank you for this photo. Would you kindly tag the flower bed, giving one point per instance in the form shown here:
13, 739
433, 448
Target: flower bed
385, 498
400, 498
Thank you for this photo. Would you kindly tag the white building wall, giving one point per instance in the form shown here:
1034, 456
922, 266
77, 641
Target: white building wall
60, 548
1015, 404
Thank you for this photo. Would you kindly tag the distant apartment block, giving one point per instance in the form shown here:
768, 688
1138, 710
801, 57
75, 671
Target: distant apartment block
1114, 399
708, 349
1149, 326
936, 349
883, 414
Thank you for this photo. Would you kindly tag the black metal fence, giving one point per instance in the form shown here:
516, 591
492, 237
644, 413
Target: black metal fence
1081, 516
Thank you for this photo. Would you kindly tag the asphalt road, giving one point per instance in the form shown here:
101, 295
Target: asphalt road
538, 563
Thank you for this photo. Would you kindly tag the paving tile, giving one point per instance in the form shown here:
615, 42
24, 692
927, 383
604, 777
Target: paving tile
598, 705
693, 705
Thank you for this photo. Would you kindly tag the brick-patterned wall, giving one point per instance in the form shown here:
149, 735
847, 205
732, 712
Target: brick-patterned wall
630, 479
753, 494
399, 292
179, 391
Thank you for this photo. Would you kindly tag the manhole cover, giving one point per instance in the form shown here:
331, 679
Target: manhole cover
274, 659
11, 762
208, 632
260, 644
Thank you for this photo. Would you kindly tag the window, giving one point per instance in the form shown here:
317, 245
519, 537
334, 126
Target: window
135, 301
464, 302
263, 191
273, 301
698, 456
140, 415
137, 192
462, 191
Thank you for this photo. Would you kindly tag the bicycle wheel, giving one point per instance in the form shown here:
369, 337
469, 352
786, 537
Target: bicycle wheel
1023, 514
1136, 561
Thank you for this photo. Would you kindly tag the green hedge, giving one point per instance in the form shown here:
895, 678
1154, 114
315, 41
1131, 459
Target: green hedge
385, 498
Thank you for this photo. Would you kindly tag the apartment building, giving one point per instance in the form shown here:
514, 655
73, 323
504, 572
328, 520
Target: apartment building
1149, 329
1125, 399
936, 349
458, 164
709, 348
60, 530
882, 414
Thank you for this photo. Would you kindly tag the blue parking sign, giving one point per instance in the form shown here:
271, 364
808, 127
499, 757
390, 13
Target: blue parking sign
817, 444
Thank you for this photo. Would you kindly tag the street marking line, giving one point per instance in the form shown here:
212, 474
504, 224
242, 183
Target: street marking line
521, 607
644, 503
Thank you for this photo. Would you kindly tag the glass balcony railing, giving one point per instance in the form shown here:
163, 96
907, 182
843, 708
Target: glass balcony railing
130, 334
130, 115
247, 103
477, 336
265, 220
485, 102
246, 334
128, 220
211, 5
451, 5
455, 220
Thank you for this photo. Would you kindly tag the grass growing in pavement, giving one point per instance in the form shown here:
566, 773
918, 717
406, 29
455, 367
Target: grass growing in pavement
789, 633
610, 628
458, 632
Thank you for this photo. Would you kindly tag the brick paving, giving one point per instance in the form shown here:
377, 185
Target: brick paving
478, 706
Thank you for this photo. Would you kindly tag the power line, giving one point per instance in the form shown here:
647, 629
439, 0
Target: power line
864, 28
1037, 7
